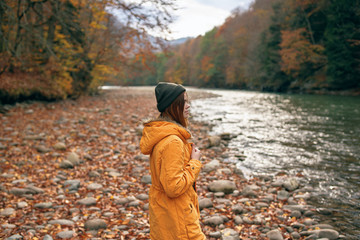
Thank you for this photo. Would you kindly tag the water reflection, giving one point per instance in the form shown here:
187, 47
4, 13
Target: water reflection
316, 135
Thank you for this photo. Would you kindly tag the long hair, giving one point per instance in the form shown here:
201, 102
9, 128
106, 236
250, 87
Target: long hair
176, 111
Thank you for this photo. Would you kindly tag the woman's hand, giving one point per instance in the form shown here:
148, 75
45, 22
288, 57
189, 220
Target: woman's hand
195, 153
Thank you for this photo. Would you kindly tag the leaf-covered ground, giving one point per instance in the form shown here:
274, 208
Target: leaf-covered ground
73, 169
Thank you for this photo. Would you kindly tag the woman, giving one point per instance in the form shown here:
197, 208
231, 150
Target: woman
174, 166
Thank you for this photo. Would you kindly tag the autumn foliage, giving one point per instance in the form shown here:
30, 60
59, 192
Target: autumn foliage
59, 49
275, 45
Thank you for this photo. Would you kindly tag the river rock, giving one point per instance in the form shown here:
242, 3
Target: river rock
326, 233
43, 205
146, 179
7, 212
14, 237
42, 149
34, 190
283, 195
94, 186
291, 184
59, 146
225, 186
237, 209
47, 237
62, 222
229, 234
19, 191
274, 235
65, 164
213, 141
21, 204
205, 203
94, 174
211, 166
71, 185
214, 221
142, 196
90, 201
73, 158
65, 234
95, 224
215, 234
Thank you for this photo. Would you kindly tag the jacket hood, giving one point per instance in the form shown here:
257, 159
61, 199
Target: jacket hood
156, 130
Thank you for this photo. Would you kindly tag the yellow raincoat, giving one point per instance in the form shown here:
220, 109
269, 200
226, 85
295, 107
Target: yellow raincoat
173, 202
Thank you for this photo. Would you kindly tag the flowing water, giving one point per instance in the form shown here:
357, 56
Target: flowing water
318, 136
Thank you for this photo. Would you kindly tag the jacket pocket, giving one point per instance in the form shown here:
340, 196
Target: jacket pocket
192, 223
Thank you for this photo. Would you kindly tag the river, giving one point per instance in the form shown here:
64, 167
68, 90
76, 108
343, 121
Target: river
316, 135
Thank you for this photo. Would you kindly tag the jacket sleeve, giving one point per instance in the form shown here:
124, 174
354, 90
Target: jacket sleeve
174, 177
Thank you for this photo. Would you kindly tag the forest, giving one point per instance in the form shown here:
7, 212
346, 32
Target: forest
63, 49
306, 46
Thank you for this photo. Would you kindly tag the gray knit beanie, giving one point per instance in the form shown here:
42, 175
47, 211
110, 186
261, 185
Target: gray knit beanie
166, 93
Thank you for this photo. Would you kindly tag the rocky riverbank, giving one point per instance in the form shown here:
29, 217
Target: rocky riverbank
73, 170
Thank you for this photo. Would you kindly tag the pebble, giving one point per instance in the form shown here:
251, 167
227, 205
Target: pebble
274, 235
43, 205
90, 201
214, 221
225, 186
205, 203
62, 222
94, 186
65, 234
95, 224
7, 212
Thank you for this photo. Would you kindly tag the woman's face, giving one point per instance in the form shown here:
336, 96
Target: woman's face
186, 106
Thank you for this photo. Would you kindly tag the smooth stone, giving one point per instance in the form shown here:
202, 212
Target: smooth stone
229, 234
295, 235
95, 224
146, 179
73, 158
214, 221
274, 235
87, 201
65, 164
65, 234
47, 237
43, 205
282, 195
205, 203
121, 201
60, 146
19, 191
291, 184
35, 190
94, 174
295, 213
13, 237
114, 174
225, 186
237, 209
62, 222
211, 166
21, 204
215, 234
134, 203
94, 186
142, 196
10, 226
72, 184
7, 212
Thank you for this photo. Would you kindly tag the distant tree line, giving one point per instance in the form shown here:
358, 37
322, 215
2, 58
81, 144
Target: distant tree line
276, 45
57, 49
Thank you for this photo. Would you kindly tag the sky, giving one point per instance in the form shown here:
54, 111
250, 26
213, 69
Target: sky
196, 17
